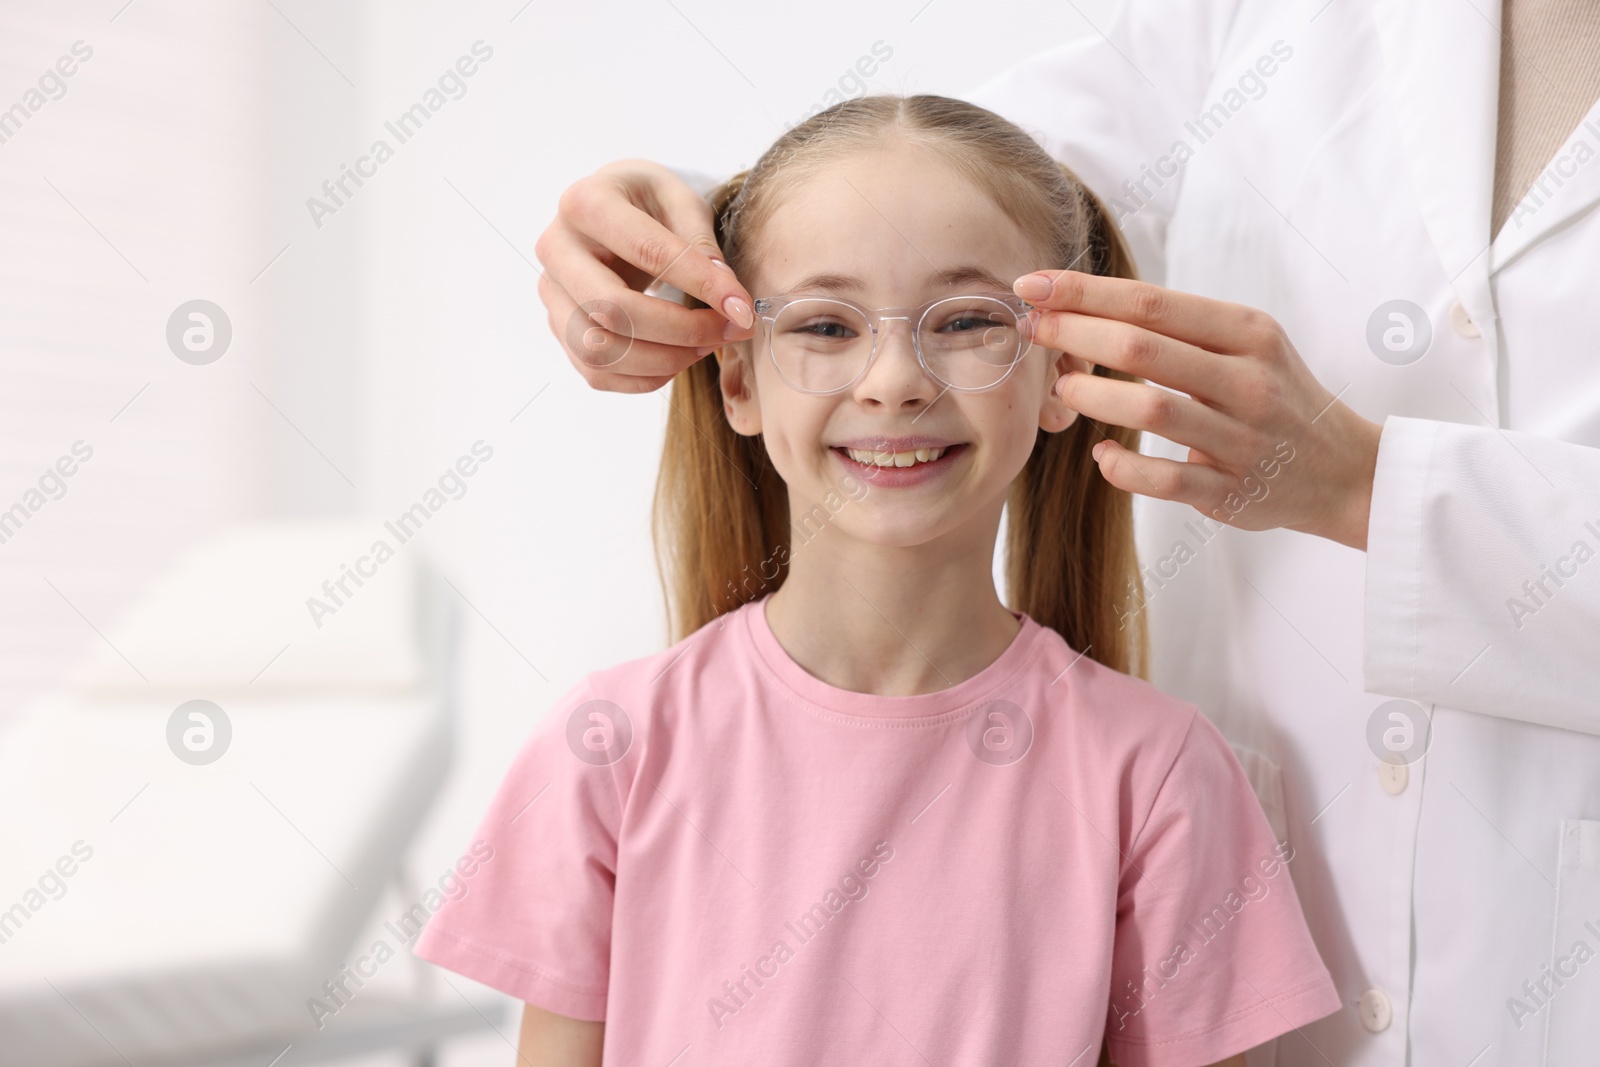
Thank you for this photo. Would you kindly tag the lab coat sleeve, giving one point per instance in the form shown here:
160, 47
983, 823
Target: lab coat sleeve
1483, 573
1111, 104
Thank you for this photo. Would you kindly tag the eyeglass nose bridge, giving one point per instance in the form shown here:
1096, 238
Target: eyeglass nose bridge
875, 322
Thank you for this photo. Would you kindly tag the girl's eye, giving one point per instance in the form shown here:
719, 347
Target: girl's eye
967, 321
825, 329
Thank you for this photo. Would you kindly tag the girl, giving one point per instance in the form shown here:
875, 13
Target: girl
862, 812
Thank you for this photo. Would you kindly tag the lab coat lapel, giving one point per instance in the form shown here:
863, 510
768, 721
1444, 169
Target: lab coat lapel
1442, 63
1568, 185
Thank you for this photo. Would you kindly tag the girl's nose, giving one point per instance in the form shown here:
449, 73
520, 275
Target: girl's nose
896, 379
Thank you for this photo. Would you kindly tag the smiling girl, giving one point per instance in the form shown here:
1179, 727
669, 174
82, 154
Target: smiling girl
864, 812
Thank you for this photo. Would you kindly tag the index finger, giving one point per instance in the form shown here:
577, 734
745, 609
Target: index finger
1215, 325
690, 261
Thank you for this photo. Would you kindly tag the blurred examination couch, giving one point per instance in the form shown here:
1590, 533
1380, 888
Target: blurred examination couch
206, 905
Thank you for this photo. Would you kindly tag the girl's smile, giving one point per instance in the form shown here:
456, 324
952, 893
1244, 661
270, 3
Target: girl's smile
898, 462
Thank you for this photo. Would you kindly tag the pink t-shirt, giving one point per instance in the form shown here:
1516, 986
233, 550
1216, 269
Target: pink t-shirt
732, 862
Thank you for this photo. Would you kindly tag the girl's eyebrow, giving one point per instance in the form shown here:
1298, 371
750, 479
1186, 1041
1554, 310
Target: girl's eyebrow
827, 283
969, 274
956, 277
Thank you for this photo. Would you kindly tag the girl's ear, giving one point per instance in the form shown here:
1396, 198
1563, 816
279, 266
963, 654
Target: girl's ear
1054, 414
737, 378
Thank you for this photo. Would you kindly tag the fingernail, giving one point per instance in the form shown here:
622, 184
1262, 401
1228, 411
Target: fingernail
721, 264
1099, 449
738, 311
1033, 287
707, 350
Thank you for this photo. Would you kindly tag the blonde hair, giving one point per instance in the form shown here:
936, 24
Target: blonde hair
721, 510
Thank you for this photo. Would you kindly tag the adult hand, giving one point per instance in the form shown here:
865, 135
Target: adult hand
623, 228
1269, 446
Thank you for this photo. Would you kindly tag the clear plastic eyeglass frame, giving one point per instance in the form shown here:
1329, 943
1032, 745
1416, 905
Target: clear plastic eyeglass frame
768, 309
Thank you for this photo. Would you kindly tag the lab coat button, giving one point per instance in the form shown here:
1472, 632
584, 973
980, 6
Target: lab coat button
1376, 1014
1463, 322
1394, 777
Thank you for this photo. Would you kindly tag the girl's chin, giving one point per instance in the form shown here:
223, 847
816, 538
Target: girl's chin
868, 523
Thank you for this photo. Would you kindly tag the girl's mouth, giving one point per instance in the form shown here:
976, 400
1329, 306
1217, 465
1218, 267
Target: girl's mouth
894, 459
899, 468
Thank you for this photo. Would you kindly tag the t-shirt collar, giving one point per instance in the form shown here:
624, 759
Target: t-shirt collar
814, 691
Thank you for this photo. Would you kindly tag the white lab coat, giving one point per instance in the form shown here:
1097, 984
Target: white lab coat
1361, 174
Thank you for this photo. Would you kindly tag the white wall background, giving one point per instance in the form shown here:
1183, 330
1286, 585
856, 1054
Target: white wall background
370, 352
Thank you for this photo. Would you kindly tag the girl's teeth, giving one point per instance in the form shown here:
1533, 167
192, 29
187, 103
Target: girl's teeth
895, 459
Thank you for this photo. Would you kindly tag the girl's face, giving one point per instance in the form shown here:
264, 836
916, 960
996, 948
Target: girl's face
893, 227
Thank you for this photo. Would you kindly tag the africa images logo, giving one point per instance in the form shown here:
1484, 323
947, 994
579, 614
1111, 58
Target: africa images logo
599, 732
451, 85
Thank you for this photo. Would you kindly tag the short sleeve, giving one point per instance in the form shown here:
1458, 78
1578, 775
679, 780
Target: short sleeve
532, 914
1212, 954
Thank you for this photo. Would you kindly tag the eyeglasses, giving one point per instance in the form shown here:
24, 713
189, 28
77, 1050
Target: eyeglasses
823, 346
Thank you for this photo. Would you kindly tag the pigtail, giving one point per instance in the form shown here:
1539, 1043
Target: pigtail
1108, 250
721, 512
1071, 563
